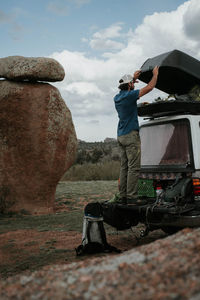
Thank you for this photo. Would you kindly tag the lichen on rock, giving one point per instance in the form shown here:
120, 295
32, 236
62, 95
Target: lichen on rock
21, 68
37, 144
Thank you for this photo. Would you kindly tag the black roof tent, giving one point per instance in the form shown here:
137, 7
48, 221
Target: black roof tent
178, 72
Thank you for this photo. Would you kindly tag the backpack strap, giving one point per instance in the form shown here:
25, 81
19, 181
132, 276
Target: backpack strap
102, 232
107, 247
88, 231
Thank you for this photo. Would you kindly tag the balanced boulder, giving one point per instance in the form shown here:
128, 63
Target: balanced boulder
37, 144
21, 68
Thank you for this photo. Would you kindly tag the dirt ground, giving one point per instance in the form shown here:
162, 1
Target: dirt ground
27, 243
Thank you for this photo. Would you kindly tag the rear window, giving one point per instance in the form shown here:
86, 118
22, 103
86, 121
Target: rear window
165, 144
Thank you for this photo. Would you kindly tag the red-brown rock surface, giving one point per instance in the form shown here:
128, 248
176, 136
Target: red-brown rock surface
169, 268
37, 145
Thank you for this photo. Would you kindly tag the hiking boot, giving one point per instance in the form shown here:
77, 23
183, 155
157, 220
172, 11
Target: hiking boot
122, 201
117, 200
136, 202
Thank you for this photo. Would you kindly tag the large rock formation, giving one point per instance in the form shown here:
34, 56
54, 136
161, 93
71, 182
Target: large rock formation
31, 68
37, 145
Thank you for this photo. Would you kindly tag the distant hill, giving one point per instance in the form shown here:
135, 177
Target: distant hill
95, 152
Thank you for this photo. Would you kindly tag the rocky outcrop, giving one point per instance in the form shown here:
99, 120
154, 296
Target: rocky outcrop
31, 68
165, 269
37, 141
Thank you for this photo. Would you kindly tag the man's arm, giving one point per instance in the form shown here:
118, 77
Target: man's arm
152, 83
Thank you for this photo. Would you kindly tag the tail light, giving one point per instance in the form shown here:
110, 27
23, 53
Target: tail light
196, 186
159, 190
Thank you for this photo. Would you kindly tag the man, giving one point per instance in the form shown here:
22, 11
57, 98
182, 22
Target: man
128, 135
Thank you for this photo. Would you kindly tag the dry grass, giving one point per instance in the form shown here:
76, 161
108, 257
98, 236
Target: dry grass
30, 242
89, 171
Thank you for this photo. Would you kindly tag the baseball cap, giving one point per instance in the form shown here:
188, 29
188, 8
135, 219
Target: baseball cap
126, 79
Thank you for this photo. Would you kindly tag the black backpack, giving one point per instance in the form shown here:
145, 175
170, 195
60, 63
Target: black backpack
181, 190
94, 235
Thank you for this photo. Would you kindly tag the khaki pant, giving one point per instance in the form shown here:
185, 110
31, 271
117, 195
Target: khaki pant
130, 149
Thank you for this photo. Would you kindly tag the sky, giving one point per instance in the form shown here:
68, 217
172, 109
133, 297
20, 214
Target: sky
97, 42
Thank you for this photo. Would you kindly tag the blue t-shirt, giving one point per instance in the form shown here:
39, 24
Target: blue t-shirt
126, 106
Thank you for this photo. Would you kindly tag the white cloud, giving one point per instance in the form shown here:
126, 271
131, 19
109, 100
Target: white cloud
102, 44
78, 67
191, 20
91, 83
96, 130
84, 89
111, 32
84, 40
103, 39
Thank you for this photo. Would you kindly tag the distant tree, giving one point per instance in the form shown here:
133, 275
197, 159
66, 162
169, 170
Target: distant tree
94, 152
96, 155
107, 150
88, 157
80, 158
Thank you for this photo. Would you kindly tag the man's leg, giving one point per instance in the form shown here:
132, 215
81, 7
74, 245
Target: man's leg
123, 172
133, 152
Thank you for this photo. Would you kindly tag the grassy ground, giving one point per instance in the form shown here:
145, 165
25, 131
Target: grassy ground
28, 243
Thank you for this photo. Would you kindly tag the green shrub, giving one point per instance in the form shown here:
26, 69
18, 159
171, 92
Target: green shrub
88, 171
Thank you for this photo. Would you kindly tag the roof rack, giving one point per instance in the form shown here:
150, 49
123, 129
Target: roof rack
169, 107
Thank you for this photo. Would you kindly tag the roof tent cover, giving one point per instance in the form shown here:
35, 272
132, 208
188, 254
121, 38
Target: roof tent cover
178, 72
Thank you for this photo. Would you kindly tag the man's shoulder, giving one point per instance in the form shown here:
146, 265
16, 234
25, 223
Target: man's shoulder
127, 94
119, 95
135, 93
132, 95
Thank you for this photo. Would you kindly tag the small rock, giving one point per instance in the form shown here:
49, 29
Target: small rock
21, 68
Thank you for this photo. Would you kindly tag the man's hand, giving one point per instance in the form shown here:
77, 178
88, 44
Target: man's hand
152, 83
136, 74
